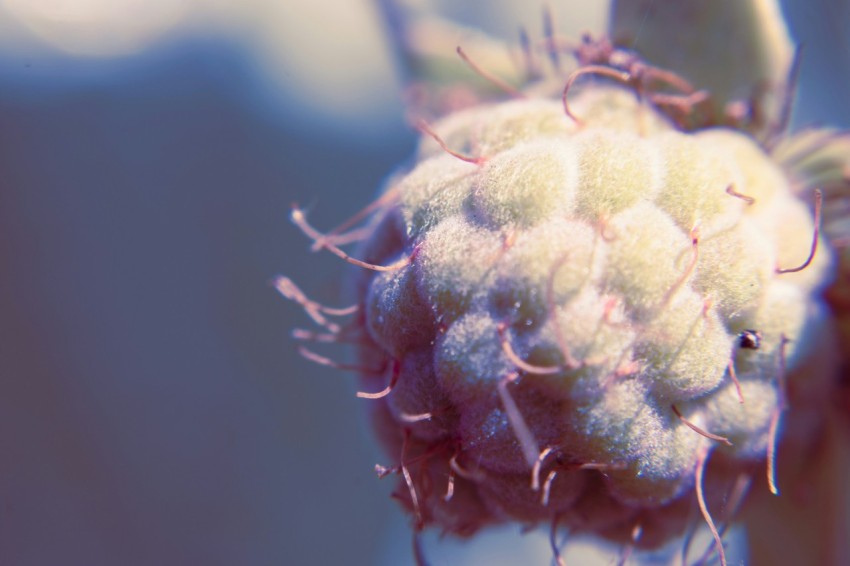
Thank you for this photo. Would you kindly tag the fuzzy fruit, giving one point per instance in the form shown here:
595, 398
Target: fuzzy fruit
572, 316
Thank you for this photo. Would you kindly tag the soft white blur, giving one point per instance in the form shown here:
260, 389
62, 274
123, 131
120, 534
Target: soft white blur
332, 59
98, 27
329, 60
509, 545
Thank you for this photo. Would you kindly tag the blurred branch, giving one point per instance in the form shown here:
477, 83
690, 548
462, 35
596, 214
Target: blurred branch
426, 48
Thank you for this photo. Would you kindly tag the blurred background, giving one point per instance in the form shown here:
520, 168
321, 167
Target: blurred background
153, 409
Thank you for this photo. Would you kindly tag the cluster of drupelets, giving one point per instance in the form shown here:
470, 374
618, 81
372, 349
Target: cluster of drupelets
567, 306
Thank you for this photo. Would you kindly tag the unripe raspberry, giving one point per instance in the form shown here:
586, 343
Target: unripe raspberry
560, 319
572, 302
